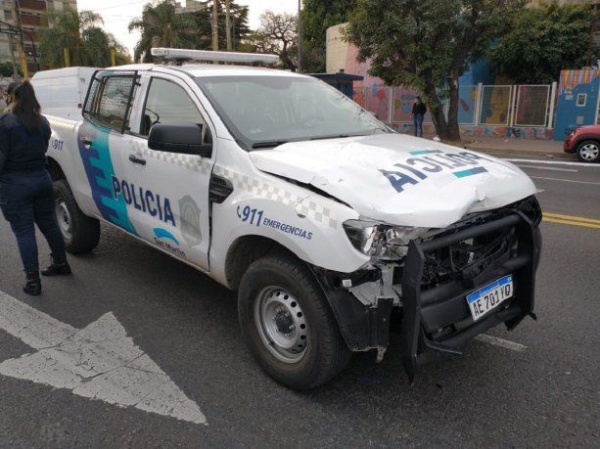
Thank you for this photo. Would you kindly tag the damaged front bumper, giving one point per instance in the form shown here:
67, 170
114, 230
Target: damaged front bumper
434, 281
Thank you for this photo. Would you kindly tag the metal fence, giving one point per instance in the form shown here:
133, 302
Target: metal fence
479, 105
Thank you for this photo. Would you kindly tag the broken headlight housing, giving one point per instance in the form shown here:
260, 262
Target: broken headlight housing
380, 241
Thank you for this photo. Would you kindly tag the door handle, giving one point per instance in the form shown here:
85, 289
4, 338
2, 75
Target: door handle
137, 160
86, 141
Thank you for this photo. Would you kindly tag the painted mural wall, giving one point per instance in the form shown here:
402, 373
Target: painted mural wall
493, 117
578, 100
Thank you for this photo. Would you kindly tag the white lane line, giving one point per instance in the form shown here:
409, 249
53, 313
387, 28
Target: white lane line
572, 170
506, 344
99, 362
567, 180
544, 162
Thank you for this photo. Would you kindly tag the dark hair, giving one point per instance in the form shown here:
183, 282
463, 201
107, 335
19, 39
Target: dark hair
26, 107
11, 87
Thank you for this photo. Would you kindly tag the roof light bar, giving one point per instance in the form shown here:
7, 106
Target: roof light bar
214, 56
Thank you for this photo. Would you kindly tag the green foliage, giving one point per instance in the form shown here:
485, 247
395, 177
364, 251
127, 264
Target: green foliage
238, 22
317, 16
544, 41
80, 34
427, 44
160, 26
7, 69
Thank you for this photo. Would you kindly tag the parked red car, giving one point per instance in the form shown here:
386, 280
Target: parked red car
585, 141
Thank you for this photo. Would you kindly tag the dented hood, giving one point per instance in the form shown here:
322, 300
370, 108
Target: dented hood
399, 179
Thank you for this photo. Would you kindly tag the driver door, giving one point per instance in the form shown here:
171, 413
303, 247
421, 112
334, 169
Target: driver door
169, 191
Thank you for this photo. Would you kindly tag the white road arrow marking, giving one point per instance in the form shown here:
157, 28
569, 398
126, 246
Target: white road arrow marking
98, 362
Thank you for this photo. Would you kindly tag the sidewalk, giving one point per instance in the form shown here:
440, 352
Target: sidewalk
505, 147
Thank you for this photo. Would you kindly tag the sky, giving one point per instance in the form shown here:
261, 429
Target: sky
118, 13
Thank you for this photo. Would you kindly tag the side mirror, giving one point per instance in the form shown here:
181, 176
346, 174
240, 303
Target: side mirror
182, 138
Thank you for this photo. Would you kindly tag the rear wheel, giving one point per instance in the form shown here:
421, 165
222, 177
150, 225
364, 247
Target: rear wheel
588, 151
288, 324
80, 232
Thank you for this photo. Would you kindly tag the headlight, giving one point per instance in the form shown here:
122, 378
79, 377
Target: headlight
381, 241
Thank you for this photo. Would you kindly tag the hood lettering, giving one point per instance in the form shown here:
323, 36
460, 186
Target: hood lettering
419, 168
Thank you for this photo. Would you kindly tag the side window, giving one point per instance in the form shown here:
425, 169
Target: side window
108, 103
168, 103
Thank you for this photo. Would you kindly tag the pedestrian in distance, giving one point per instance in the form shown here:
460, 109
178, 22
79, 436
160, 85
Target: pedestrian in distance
418, 112
26, 192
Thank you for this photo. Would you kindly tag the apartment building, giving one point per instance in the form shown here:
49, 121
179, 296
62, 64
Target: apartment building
20, 21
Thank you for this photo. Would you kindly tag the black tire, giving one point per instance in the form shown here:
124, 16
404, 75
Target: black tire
588, 151
80, 232
276, 293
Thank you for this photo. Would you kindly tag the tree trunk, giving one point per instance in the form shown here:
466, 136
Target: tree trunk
446, 128
453, 128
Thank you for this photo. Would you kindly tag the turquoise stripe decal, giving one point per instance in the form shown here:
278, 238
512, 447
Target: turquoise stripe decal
471, 172
422, 152
161, 233
100, 170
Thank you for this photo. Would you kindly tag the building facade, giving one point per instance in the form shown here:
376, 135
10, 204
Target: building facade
20, 22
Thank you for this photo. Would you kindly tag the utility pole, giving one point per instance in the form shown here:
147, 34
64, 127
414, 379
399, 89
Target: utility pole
19, 25
215, 26
299, 36
228, 24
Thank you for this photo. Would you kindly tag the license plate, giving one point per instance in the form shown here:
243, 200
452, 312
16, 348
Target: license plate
489, 297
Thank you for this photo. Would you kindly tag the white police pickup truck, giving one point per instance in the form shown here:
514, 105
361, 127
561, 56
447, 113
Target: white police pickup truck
333, 229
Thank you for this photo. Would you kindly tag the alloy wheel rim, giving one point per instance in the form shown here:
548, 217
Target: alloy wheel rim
589, 152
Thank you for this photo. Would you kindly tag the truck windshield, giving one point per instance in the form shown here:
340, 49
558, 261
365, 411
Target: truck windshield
266, 111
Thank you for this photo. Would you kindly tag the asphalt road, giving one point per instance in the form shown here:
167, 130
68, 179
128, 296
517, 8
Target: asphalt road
535, 387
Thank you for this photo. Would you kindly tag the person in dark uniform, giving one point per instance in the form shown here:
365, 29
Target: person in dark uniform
26, 193
418, 112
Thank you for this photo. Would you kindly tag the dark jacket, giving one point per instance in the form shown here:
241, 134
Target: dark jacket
20, 150
419, 109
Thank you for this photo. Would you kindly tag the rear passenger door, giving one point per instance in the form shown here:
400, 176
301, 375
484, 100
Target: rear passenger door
168, 192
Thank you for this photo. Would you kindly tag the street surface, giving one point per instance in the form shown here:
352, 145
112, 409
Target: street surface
163, 363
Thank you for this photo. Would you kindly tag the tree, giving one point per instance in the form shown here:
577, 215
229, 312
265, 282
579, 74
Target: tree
277, 35
543, 41
80, 34
161, 26
317, 16
427, 44
238, 26
7, 69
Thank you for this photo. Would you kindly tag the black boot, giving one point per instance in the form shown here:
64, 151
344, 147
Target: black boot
57, 268
33, 285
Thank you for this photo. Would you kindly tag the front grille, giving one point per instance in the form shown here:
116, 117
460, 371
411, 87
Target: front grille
441, 271
467, 259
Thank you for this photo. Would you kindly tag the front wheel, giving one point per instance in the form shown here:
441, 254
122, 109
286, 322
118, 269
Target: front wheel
288, 324
80, 232
588, 151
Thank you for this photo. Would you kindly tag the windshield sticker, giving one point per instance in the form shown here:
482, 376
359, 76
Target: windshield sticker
256, 217
416, 169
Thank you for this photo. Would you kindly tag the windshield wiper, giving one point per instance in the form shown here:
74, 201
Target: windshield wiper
273, 143
337, 136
